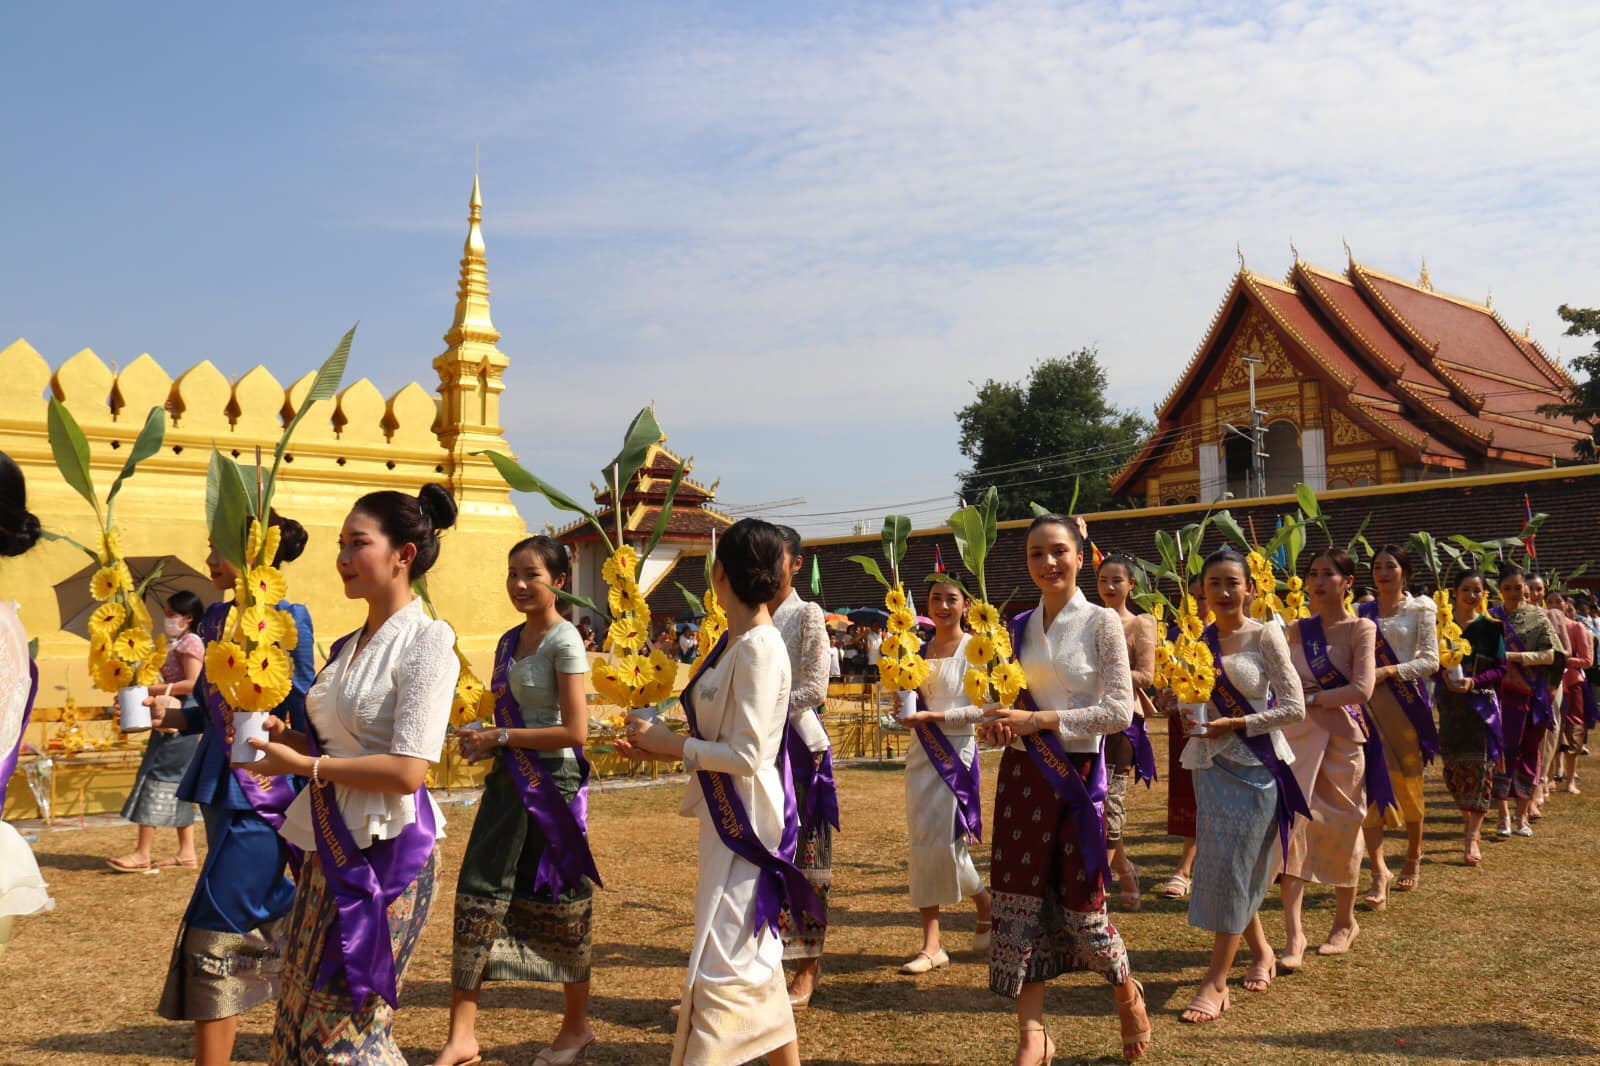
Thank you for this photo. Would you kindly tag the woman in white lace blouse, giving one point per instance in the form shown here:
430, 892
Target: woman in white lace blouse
1402, 706
1237, 798
1049, 850
379, 711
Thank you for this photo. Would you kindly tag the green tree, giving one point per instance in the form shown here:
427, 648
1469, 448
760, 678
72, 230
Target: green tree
1584, 406
1038, 439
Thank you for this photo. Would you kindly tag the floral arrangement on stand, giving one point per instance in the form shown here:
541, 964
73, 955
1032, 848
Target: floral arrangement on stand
250, 663
125, 650
992, 678
635, 675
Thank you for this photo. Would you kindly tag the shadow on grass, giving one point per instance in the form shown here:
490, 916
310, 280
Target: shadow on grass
70, 861
1468, 1042
155, 1043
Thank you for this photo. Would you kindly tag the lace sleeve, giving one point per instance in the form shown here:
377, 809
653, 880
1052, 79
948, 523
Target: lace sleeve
1284, 682
810, 683
1113, 710
1142, 659
425, 684
1426, 662
962, 715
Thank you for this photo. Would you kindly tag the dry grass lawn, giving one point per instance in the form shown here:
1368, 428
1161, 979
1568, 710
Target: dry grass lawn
1497, 964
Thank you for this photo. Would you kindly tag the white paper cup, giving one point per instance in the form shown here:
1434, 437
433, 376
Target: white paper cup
247, 725
905, 704
133, 714
1194, 714
1457, 674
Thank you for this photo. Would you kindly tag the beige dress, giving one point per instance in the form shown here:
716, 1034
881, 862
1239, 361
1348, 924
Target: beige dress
735, 1005
1329, 764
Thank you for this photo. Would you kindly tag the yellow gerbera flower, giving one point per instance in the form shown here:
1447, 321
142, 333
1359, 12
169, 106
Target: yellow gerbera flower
106, 620
605, 680
889, 671
269, 550
976, 686
113, 674
984, 617
891, 645
902, 621
261, 624
980, 650
1002, 643
106, 582
252, 542
621, 563
1295, 583
1008, 680
267, 585
626, 634
132, 645
895, 600
149, 673
224, 664
290, 640
913, 672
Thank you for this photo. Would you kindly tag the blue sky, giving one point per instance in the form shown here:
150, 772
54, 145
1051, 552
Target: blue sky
801, 230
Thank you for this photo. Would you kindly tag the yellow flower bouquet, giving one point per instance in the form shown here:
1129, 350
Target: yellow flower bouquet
634, 676
901, 667
992, 678
126, 652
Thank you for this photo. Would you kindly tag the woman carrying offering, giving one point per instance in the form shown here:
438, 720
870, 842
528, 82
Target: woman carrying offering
1469, 711
1245, 794
1407, 655
943, 797
1576, 702
810, 753
525, 896
1128, 754
734, 1006
1049, 859
231, 942
153, 801
377, 716
1338, 757
1527, 711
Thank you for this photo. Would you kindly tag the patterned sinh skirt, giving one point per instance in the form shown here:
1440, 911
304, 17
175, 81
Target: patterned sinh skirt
1048, 918
814, 857
1464, 750
1180, 783
153, 800
504, 929
1119, 771
1403, 753
1521, 739
322, 1028
1236, 844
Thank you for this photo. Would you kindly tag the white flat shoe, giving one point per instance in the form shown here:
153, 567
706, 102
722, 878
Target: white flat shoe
980, 937
925, 962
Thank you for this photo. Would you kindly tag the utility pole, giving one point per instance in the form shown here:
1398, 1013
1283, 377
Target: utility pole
1258, 430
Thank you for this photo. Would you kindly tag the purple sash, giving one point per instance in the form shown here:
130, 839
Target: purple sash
966, 782
364, 883
822, 793
566, 860
1543, 710
780, 884
1414, 698
1380, 792
1486, 705
1144, 756
1227, 698
269, 796
8, 762
1085, 800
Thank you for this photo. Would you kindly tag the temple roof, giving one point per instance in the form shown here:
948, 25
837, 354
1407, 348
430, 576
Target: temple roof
692, 516
1443, 378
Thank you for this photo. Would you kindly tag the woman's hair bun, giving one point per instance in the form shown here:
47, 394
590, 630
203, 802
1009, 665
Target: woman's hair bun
291, 539
438, 505
19, 527
751, 554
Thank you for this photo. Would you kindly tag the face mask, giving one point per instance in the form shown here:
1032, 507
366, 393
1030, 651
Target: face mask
175, 627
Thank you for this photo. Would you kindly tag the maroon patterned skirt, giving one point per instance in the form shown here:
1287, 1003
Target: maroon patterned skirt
1180, 783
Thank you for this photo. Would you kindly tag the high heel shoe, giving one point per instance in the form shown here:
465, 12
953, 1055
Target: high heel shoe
1049, 1046
1139, 1039
552, 1057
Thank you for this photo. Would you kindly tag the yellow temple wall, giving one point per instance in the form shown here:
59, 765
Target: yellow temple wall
359, 443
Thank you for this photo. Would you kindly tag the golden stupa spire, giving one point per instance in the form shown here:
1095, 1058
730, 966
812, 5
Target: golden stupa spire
470, 368
1423, 281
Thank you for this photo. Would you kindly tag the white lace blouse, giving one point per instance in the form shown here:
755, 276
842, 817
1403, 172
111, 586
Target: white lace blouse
391, 699
1411, 631
805, 634
944, 692
1079, 666
1260, 669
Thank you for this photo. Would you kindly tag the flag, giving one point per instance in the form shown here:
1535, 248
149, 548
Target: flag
816, 577
938, 560
1527, 518
1281, 556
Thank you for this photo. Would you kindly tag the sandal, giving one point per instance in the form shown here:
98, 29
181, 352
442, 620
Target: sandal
1177, 888
1289, 961
1410, 875
122, 866
1049, 1046
1261, 974
1203, 1009
1378, 898
1129, 899
163, 864
1139, 1039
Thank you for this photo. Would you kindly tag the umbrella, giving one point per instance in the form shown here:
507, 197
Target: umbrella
75, 604
686, 625
869, 616
836, 621
924, 620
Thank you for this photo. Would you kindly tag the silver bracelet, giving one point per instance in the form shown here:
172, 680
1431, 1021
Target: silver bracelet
316, 767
